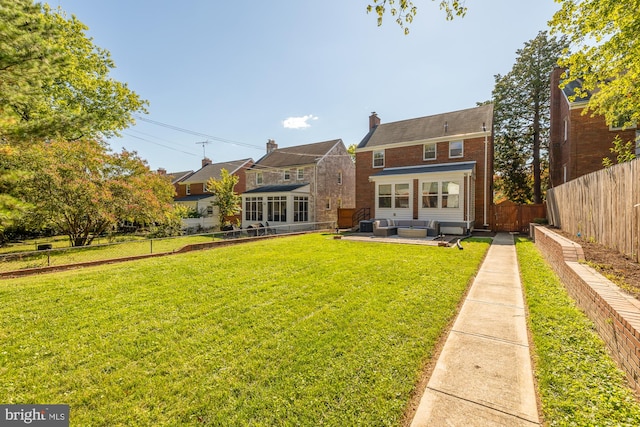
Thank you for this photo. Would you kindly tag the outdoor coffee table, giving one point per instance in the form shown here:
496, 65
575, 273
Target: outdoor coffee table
412, 232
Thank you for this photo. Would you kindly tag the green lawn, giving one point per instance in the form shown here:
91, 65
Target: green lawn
579, 383
95, 252
301, 330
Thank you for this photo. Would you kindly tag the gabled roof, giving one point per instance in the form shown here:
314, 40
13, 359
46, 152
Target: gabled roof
214, 170
193, 198
440, 167
296, 156
178, 176
456, 123
280, 188
570, 90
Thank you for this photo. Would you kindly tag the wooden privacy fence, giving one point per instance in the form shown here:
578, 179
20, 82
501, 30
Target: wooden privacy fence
509, 216
603, 206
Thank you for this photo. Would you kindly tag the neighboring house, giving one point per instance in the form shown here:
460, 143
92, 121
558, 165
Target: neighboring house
191, 190
437, 167
299, 185
578, 142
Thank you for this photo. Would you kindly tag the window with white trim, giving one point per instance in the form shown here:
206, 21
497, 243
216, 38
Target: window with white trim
277, 208
287, 175
258, 178
384, 196
450, 194
327, 204
430, 194
340, 178
300, 208
429, 151
188, 189
253, 209
401, 196
300, 173
378, 159
456, 149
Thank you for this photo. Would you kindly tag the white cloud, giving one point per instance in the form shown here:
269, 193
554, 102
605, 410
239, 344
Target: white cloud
298, 122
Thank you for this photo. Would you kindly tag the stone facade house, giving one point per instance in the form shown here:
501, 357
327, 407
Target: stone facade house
191, 190
437, 167
578, 141
295, 186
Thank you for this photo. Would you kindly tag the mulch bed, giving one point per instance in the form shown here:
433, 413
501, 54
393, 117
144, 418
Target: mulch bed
617, 267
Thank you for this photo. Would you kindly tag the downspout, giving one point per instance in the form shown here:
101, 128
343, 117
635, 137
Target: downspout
486, 164
467, 178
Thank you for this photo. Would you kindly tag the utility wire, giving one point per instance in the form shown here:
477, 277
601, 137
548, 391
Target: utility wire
161, 145
204, 135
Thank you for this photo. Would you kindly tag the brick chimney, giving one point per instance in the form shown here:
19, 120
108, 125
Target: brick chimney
206, 161
271, 146
374, 120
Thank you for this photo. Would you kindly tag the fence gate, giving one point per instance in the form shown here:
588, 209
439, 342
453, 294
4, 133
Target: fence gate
509, 216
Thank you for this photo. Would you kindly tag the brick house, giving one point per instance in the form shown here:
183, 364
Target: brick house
191, 189
578, 142
298, 185
437, 167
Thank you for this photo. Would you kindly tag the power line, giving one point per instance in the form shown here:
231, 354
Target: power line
204, 135
161, 145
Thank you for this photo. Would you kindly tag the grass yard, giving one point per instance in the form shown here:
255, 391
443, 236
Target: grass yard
579, 383
98, 252
300, 330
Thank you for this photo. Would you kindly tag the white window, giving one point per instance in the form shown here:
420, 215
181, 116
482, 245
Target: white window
401, 196
300, 173
188, 189
327, 204
430, 194
566, 129
287, 175
300, 209
277, 208
384, 196
259, 178
393, 196
378, 159
339, 178
450, 194
253, 209
455, 149
430, 151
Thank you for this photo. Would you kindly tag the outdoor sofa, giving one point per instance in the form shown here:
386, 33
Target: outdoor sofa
389, 227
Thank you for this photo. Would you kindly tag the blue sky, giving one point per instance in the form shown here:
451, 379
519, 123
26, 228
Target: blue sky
240, 73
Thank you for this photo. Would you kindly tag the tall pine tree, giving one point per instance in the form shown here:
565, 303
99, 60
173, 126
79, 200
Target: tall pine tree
522, 103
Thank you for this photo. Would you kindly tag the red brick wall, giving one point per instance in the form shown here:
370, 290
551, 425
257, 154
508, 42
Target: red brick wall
616, 319
413, 156
588, 138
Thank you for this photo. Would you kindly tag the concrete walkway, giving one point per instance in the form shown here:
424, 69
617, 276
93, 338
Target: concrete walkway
483, 376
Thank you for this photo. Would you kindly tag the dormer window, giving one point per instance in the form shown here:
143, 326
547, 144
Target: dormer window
429, 151
287, 175
258, 178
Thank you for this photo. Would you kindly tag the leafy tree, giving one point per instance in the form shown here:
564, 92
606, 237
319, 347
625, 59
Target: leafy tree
351, 150
624, 151
11, 207
82, 190
54, 82
605, 39
226, 200
404, 11
521, 108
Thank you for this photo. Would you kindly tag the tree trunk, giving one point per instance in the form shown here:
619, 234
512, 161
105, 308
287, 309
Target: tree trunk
537, 179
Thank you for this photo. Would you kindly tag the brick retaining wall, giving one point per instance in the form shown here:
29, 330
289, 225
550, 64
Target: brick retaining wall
616, 315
